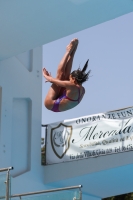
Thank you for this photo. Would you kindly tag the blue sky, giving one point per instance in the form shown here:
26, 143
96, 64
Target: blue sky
109, 47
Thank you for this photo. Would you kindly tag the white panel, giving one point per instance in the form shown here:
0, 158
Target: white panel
0, 107
32, 23
78, 1
21, 83
21, 135
26, 59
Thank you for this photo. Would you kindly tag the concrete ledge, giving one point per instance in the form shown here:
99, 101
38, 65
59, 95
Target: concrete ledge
68, 170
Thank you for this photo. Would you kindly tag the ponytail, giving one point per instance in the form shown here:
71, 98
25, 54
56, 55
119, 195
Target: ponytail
80, 75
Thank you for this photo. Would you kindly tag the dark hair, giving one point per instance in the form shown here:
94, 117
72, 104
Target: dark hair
80, 75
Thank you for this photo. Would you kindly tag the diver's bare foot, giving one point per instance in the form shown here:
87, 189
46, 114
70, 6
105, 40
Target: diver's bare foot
75, 48
72, 46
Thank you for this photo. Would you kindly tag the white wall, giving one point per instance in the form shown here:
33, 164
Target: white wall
33, 23
20, 112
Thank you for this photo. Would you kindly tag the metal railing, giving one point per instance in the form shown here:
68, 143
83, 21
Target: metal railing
7, 181
49, 191
8, 196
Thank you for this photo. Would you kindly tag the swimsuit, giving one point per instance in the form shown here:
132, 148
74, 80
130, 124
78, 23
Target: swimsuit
63, 96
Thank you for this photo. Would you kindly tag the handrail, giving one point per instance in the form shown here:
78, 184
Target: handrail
7, 185
46, 191
7, 181
30, 193
6, 169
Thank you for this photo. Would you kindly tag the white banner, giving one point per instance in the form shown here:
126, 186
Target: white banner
90, 136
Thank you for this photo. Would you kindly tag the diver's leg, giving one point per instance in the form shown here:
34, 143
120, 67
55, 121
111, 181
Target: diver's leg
64, 61
61, 67
70, 61
54, 90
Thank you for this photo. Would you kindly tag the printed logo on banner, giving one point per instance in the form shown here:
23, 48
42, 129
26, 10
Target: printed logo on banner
60, 139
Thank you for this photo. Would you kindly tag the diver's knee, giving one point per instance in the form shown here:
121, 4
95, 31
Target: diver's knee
47, 104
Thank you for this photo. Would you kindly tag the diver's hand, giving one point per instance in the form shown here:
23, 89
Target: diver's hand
47, 75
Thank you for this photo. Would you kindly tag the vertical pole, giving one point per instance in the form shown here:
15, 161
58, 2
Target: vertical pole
80, 194
7, 185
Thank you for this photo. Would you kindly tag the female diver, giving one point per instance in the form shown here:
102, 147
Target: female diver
66, 90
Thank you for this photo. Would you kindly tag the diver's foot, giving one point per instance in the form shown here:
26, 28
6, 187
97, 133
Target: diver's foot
75, 47
70, 48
